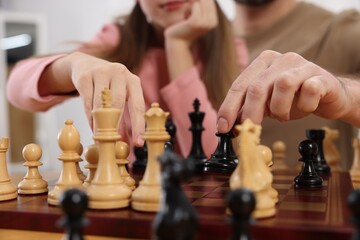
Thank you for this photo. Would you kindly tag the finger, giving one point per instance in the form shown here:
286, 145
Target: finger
312, 90
136, 106
261, 89
285, 88
118, 91
86, 90
234, 99
100, 83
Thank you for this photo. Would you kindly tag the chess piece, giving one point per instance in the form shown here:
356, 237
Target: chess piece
266, 155
197, 154
279, 149
176, 218
224, 158
7, 189
92, 157
32, 183
146, 197
74, 203
171, 129
308, 177
121, 153
241, 203
252, 172
68, 140
318, 135
141, 154
79, 172
355, 167
354, 206
331, 152
107, 190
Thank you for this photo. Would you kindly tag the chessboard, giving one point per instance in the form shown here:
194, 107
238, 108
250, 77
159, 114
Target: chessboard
301, 214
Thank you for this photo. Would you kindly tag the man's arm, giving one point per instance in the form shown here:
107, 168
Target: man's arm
286, 87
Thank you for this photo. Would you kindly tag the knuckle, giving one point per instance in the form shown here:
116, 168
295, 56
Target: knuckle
256, 90
291, 56
284, 81
268, 54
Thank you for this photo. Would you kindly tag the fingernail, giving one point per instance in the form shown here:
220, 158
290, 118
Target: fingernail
222, 125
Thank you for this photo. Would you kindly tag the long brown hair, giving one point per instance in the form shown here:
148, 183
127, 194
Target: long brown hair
216, 51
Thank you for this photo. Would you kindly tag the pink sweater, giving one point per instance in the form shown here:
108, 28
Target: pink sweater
176, 97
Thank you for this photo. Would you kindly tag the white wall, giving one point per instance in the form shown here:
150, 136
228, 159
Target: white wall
69, 20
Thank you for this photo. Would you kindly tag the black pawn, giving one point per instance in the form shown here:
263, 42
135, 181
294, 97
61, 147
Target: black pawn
354, 205
197, 155
74, 203
308, 177
140, 162
171, 129
224, 158
241, 203
320, 164
176, 219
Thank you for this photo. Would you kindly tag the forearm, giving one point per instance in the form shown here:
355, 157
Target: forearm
22, 85
179, 97
56, 78
178, 56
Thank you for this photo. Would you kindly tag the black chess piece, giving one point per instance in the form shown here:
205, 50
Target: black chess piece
320, 164
74, 203
308, 177
241, 203
176, 219
224, 158
197, 155
141, 153
354, 205
171, 129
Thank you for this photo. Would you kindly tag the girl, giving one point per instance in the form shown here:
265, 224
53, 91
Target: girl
179, 49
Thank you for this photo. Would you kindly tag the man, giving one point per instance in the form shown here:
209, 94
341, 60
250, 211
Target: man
287, 86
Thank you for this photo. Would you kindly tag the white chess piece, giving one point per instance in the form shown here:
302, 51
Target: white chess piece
7, 189
32, 183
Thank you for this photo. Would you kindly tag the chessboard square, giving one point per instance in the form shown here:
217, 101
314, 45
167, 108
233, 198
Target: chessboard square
207, 202
194, 194
319, 193
207, 183
318, 199
302, 217
283, 178
204, 189
216, 194
211, 213
280, 186
303, 206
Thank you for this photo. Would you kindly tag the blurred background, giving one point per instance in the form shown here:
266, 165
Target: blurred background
34, 27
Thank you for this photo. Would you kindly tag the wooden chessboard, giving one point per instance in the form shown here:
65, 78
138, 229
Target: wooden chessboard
301, 214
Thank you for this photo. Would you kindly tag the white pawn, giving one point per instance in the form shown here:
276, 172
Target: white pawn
80, 173
122, 150
92, 157
279, 149
32, 182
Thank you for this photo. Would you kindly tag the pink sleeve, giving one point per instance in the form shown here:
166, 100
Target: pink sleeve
22, 85
179, 96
